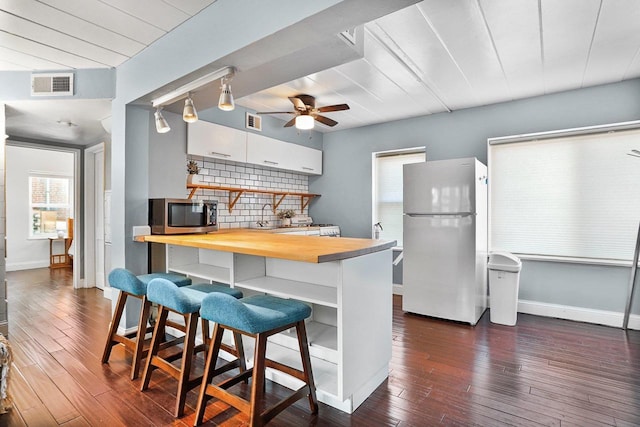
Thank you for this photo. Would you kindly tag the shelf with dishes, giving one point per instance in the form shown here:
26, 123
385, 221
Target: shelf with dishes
236, 192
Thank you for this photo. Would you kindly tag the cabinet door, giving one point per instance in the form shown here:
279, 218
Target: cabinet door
212, 140
265, 151
304, 159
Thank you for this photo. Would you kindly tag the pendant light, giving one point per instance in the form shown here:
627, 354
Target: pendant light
189, 113
225, 103
161, 124
304, 122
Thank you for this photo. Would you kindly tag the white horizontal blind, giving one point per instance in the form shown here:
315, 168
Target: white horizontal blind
388, 192
574, 196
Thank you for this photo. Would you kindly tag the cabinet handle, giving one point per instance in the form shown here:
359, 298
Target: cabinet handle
269, 162
219, 154
308, 169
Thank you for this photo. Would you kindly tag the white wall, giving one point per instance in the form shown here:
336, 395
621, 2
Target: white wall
22, 252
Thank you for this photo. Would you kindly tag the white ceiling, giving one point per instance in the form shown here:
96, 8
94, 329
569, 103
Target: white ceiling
428, 58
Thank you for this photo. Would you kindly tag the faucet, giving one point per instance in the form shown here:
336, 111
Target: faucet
262, 222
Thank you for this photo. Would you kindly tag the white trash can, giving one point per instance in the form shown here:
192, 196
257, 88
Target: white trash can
504, 282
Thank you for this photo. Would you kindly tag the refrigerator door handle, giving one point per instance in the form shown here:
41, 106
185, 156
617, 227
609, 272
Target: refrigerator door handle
438, 215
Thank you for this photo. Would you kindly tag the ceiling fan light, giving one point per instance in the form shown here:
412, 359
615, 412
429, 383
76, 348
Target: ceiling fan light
304, 122
225, 103
189, 113
161, 124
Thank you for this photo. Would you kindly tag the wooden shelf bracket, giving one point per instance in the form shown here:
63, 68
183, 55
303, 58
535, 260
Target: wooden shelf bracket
235, 193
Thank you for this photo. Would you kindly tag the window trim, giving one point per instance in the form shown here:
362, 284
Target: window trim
387, 153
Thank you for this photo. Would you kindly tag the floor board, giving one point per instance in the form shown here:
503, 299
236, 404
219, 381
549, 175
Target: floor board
542, 372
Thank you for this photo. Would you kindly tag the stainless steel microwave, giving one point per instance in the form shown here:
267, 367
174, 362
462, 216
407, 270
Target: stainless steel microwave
182, 216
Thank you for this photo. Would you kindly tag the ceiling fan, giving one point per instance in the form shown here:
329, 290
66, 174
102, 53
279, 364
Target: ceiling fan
306, 112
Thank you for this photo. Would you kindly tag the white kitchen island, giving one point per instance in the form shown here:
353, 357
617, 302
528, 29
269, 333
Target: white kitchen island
347, 282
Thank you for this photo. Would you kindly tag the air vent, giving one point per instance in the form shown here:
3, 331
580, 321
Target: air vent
60, 84
254, 122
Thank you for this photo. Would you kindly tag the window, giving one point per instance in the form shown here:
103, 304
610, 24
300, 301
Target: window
387, 189
568, 195
50, 204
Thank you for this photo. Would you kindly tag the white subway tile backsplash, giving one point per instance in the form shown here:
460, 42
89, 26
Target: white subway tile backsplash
248, 208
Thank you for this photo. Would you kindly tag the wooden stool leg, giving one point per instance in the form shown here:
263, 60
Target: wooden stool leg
187, 356
209, 368
306, 365
113, 327
138, 354
156, 338
242, 362
258, 383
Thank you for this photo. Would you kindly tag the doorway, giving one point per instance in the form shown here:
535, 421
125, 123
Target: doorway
42, 193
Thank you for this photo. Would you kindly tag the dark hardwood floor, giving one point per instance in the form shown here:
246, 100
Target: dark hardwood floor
541, 372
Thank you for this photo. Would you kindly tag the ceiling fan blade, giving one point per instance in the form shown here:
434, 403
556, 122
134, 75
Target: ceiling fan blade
328, 108
276, 112
325, 120
297, 103
290, 123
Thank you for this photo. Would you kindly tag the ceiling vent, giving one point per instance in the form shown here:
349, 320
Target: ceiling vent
254, 122
58, 84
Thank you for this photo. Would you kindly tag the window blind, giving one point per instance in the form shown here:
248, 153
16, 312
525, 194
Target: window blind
388, 191
567, 196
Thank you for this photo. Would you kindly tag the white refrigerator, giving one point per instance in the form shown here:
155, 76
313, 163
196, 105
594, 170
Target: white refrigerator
445, 239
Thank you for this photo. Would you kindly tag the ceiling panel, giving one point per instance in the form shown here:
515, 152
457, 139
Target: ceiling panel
99, 13
416, 40
521, 57
38, 50
22, 61
49, 37
567, 28
461, 28
55, 19
158, 13
614, 49
190, 7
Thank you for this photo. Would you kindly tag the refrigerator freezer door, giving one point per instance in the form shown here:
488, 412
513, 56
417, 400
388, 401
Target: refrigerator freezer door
441, 266
443, 186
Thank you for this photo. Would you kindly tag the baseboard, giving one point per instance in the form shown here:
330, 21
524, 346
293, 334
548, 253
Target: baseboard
27, 265
109, 293
397, 289
579, 314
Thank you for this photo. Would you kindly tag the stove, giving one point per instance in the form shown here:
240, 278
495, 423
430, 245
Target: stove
328, 230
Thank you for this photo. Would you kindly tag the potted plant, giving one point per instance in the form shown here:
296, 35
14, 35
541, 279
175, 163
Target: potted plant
286, 215
193, 169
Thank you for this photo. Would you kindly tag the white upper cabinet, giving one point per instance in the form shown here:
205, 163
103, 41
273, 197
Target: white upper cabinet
211, 140
265, 151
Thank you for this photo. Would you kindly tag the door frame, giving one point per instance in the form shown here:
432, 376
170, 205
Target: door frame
90, 214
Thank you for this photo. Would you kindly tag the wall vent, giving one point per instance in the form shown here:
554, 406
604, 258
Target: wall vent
254, 122
58, 84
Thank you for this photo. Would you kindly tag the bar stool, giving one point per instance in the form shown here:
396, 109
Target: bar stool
134, 286
258, 316
184, 301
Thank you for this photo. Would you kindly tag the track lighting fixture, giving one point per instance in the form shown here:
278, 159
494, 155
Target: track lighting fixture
161, 124
225, 103
189, 113
304, 122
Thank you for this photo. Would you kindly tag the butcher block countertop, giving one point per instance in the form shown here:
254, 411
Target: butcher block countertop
273, 245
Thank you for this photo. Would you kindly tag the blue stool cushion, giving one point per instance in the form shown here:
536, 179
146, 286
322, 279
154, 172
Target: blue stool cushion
123, 279
185, 299
178, 279
255, 314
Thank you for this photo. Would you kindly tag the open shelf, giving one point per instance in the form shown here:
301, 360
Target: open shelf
303, 291
322, 338
236, 192
204, 271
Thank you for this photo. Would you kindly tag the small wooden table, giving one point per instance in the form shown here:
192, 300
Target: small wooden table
60, 260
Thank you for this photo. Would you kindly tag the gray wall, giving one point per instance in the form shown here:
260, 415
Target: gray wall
345, 185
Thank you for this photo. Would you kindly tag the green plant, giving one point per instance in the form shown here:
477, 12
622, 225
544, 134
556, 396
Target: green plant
286, 213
